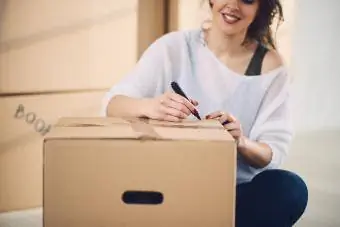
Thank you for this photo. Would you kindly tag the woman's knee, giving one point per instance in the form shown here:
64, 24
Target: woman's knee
285, 187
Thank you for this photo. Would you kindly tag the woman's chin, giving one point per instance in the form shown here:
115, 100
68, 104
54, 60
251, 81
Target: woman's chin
229, 29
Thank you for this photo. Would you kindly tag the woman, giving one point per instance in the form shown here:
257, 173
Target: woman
235, 75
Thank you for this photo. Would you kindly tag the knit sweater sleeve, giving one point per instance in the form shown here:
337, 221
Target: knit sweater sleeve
146, 79
273, 124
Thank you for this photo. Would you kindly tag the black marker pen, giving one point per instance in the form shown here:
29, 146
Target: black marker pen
179, 91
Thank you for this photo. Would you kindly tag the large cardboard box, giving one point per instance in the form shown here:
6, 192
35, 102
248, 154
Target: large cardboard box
73, 44
131, 172
21, 141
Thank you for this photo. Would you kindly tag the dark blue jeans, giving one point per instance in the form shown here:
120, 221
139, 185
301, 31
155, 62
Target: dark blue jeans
274, 198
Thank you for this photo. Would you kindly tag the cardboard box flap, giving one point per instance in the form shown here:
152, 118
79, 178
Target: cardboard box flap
89, 121
107, 121
132, 128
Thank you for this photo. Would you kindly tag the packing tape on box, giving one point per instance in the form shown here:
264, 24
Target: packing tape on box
144, 129
141, 127
99, 121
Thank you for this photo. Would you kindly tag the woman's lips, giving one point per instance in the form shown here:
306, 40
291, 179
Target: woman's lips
230, 18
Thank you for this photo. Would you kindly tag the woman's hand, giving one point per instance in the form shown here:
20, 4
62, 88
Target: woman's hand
170, 107
230, 123
257, 154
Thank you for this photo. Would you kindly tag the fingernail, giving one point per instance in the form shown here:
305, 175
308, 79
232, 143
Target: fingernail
225, 122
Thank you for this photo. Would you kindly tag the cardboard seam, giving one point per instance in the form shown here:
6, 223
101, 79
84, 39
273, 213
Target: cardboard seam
134, 138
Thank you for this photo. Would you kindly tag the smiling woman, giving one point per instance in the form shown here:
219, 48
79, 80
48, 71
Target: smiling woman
234, 21
254, 18
232, 72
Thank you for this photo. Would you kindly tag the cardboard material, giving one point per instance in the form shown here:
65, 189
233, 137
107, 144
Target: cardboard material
72, 44
188, 14
21, 142
133, 172
151, 22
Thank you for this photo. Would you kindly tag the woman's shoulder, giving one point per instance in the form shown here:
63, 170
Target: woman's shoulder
173, 46
272, 61
276, 71
178, 38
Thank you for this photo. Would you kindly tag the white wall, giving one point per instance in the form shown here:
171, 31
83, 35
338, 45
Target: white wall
316, 65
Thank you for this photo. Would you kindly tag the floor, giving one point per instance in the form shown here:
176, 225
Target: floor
314, 156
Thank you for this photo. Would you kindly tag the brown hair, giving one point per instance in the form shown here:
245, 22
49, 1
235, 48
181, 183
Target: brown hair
260, 29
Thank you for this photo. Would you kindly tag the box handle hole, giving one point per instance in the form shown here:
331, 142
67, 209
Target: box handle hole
142, 197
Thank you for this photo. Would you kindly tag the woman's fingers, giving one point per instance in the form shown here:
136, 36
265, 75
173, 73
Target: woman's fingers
222, 116
232, 126
175, 101
194, 102
183, 101
229, 122
215, 115
174, 113
226, 119
236, 133
178, 106
171, 118
173, 107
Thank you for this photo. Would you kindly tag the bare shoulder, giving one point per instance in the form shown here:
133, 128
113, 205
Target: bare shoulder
271, 61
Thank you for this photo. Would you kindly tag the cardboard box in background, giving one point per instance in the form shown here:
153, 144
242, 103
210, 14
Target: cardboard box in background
73, 44
21, 144
49, 52
102, 172
187, 14
151, 22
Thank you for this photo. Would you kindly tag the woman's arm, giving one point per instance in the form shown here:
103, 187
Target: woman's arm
271, 133
259, 152
258, 155
121, 105
143, 93
130, 96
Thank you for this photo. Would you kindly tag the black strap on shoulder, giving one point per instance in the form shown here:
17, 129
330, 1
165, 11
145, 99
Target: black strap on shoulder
255, 64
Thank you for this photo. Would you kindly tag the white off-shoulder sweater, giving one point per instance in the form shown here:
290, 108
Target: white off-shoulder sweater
261, 103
